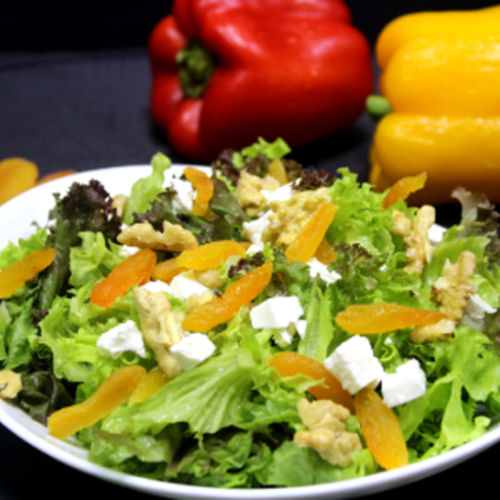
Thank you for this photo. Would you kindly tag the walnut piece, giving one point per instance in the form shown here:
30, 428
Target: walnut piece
10, 384
455, 286
248, 191
451, 291
442, 330
210, 278
174, 237
288, 217
160, 327
326, 432
416, 236
196, 300
119, 203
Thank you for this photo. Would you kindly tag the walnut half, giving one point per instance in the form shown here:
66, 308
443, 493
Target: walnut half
160, 327
326, 432
416, 236
451, 291
174, 237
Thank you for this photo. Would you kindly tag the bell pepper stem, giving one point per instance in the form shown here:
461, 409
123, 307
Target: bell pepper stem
378, 106
196, 66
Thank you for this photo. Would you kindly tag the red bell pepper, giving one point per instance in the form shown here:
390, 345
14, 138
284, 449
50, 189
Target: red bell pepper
226, 72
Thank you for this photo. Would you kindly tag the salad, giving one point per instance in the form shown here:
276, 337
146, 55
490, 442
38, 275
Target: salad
254, 324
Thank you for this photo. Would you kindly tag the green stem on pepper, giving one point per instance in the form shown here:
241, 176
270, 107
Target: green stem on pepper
196, 66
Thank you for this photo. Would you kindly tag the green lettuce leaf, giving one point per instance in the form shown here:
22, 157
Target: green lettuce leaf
73, 325
360, 218
146, 189
304, 467
462, 374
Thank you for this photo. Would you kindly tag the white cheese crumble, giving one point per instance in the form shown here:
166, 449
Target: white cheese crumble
283, 193
354, 364
185, 194
282, 314
185, 284
192, 350
122, 338
254, 229
317, 268
406, 384
276, 312
435, 234
477, 307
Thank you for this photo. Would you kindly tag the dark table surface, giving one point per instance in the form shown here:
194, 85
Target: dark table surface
85, 106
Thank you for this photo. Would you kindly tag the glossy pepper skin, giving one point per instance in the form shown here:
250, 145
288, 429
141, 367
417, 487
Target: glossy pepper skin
440, 73
293, 69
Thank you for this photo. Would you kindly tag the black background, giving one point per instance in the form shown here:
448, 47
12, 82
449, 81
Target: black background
74, 83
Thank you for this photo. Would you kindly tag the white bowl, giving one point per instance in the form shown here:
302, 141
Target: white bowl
16, 217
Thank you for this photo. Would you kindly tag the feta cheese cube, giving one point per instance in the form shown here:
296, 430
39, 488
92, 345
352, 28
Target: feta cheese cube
354, 364
122, 338
192, 350
317, 268
276, 312
185, 284
185, 194
406, 384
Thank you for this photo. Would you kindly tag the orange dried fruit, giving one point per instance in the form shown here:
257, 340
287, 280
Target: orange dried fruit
325, 253
384, 317
167, 270
307, 242
153, 381
402, 188
381, 429
278, 171
210, 255
116, 389
54, 175
17, 175
134, 270
238, 294
204, 187
17, 274
289, 364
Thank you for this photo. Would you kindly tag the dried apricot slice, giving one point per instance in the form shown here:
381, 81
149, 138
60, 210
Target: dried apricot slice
381, 429
289, 364
306, 243
278, 171
17, 175
325, 253
54, 175
210, 255
153, 381
238, 294
114, 391
204, 187
17, 274
384, 317
402, 188
134, 270
167, 270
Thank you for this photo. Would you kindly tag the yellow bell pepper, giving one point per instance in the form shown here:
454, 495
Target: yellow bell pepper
440, 74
